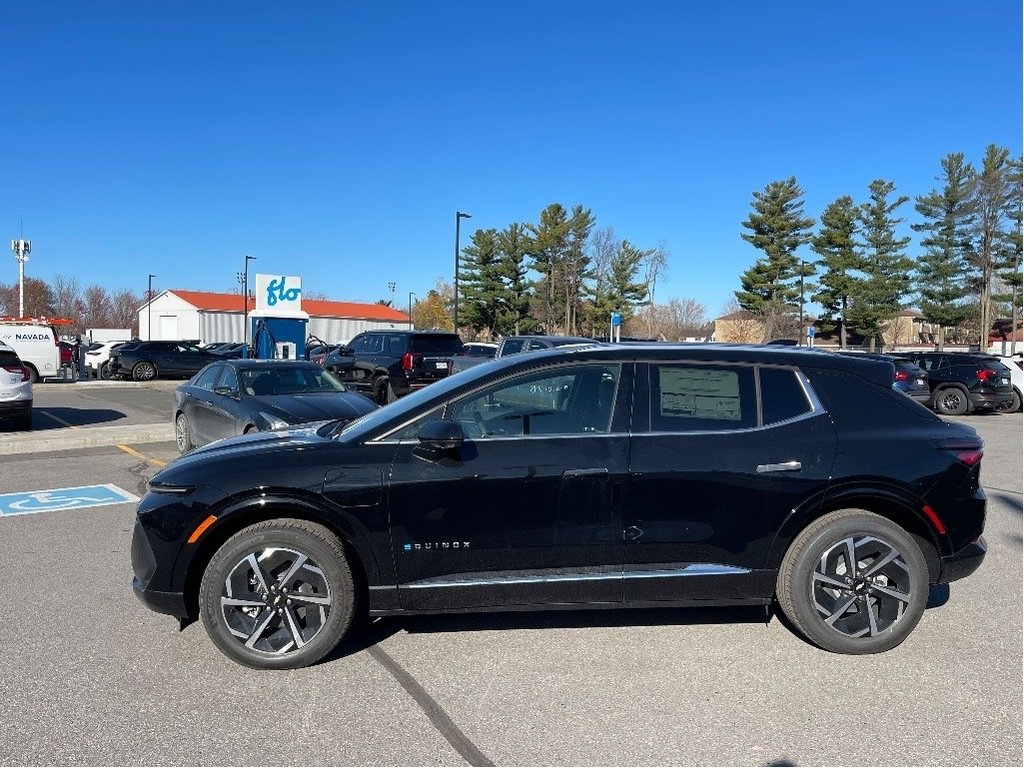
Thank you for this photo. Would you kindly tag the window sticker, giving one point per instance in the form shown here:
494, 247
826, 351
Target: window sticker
700, 393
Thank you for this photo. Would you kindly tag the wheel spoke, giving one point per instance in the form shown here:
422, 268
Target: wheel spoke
261, 627
293, 626
296, 564
881, 562
237, 602
843, 608
903, 597
851, 558
304, 598
865, 605
830, 580
258, 571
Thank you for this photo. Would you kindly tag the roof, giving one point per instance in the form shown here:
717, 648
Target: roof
231, 302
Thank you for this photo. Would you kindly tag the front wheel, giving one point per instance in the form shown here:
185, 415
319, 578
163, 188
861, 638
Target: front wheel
183, 433
278, 595
951, 401
854, 582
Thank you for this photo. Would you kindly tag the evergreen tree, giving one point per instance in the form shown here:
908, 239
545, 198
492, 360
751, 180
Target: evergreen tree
878, 293
836, 244
777, 227
550, 244
581, 221
622, 292
513, 246
481, 282
942, 267
1008, 261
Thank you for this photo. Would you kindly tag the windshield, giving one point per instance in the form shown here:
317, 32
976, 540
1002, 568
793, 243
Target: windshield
288, 380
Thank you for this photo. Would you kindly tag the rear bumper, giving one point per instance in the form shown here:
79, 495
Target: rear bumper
15, 407
986, 401
963, 562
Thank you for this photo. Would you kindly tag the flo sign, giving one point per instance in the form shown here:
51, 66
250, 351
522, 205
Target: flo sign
278, 294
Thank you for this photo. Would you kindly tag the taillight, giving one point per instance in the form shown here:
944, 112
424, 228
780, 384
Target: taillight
19, 369
26, 374
986, 374
901, 375
967, 452
409, 360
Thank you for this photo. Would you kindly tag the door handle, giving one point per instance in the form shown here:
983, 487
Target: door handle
632, 533
592, 472
785, 466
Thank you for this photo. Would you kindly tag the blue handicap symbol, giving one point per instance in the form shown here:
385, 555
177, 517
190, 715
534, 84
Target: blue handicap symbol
80, 497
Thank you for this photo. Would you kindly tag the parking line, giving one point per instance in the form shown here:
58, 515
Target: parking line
55, 418
137, 454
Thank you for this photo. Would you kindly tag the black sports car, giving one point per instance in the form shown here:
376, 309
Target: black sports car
599, 476
234, 397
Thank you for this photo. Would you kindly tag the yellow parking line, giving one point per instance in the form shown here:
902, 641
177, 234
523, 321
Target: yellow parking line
132, 452
55, 418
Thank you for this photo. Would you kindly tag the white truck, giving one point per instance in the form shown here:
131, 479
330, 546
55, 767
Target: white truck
36, 343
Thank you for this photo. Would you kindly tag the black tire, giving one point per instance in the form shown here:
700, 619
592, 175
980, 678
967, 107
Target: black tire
380, 390
844, 579
104, 371
951, 401
183, 433
1010, 406
144, 370
303, 591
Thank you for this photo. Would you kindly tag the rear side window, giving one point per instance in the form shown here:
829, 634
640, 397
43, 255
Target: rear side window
855, 403
511, 347
397, 344
782, 396
688, 398
8, 358
437, 346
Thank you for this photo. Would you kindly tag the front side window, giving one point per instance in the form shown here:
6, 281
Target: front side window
688, 398
572, 400
205, 378
229, 379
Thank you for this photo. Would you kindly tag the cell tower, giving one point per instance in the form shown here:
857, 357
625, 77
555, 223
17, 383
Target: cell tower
21, 248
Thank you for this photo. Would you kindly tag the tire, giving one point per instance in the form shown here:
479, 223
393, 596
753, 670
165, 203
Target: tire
144, 371
300, 590
390, 395
829, 591
381, 388
951, 401
104, 371
183, 433
1010, 406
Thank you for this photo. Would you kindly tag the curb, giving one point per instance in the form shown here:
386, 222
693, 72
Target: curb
67, 438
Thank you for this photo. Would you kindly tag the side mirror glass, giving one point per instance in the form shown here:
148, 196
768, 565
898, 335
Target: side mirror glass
227, 391
441, 435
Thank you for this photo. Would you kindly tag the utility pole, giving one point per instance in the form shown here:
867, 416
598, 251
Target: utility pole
459, 216
149, 310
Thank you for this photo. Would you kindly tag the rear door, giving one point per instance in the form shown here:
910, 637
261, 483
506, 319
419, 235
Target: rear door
714, 472
432, 355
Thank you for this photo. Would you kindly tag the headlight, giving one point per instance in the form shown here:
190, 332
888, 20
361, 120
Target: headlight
273, 422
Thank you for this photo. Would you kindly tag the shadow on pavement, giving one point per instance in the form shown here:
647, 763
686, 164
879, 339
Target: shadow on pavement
79, 417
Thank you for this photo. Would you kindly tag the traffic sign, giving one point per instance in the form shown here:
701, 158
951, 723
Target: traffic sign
78, 497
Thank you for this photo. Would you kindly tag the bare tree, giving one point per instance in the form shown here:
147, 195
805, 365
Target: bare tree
655, 266
124, 310
67, 300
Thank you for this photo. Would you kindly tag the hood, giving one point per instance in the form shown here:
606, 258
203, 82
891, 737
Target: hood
315, 406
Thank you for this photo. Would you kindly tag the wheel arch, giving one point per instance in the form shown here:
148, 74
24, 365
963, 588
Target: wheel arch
245, 512
885, 502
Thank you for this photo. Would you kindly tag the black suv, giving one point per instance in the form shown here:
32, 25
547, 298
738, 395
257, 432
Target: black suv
387, 365
963, 382
147, 360
601, 476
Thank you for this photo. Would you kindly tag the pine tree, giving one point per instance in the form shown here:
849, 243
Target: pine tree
513, 246
777, 227
481, 282
623, 292
993, 203
942, 267
836, 244
878, 294
549, 248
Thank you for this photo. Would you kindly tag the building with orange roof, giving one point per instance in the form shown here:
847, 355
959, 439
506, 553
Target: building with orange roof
210, 317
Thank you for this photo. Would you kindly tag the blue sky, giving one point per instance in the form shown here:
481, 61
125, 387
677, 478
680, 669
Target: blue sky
336, 140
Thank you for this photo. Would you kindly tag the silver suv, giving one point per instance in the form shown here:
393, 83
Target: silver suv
15, 389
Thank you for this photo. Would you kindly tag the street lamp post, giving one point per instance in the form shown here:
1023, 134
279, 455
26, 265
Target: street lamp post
412, 325
245, 306
21, 248
149, 310
801, 332
459, 216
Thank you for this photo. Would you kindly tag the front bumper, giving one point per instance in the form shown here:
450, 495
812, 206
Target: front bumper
963, 562
145, 567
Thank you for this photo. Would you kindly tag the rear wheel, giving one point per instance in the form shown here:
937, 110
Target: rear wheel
144, 371
854, 582
1010, 406
278, 595
104, 371
383, 393
951, 401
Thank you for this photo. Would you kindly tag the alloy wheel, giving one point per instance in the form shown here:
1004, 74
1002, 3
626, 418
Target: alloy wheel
144, 371
861, 586
275, 600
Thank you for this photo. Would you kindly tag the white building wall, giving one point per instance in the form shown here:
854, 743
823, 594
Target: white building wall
339, 330
167, 305
220, 326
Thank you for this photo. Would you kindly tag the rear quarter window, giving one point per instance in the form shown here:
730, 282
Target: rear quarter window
782, 395
854, 402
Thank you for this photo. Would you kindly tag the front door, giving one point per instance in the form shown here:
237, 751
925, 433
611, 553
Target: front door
527, 509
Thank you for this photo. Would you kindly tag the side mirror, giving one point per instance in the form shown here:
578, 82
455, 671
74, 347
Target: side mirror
226, 391
441, 435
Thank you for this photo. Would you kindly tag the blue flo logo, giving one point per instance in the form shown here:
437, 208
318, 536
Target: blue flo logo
276, 292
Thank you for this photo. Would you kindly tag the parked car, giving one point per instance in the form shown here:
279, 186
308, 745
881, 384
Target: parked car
963, 382
1015, 366
479, 349
148, 360
908, 377
513, 345
571, 478
387, 365
233, 351
97, 357
15, 388
236, 397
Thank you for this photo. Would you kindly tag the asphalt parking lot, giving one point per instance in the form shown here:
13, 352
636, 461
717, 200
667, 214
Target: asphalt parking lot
92, 677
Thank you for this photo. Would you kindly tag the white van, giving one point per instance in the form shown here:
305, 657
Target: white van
36, 344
